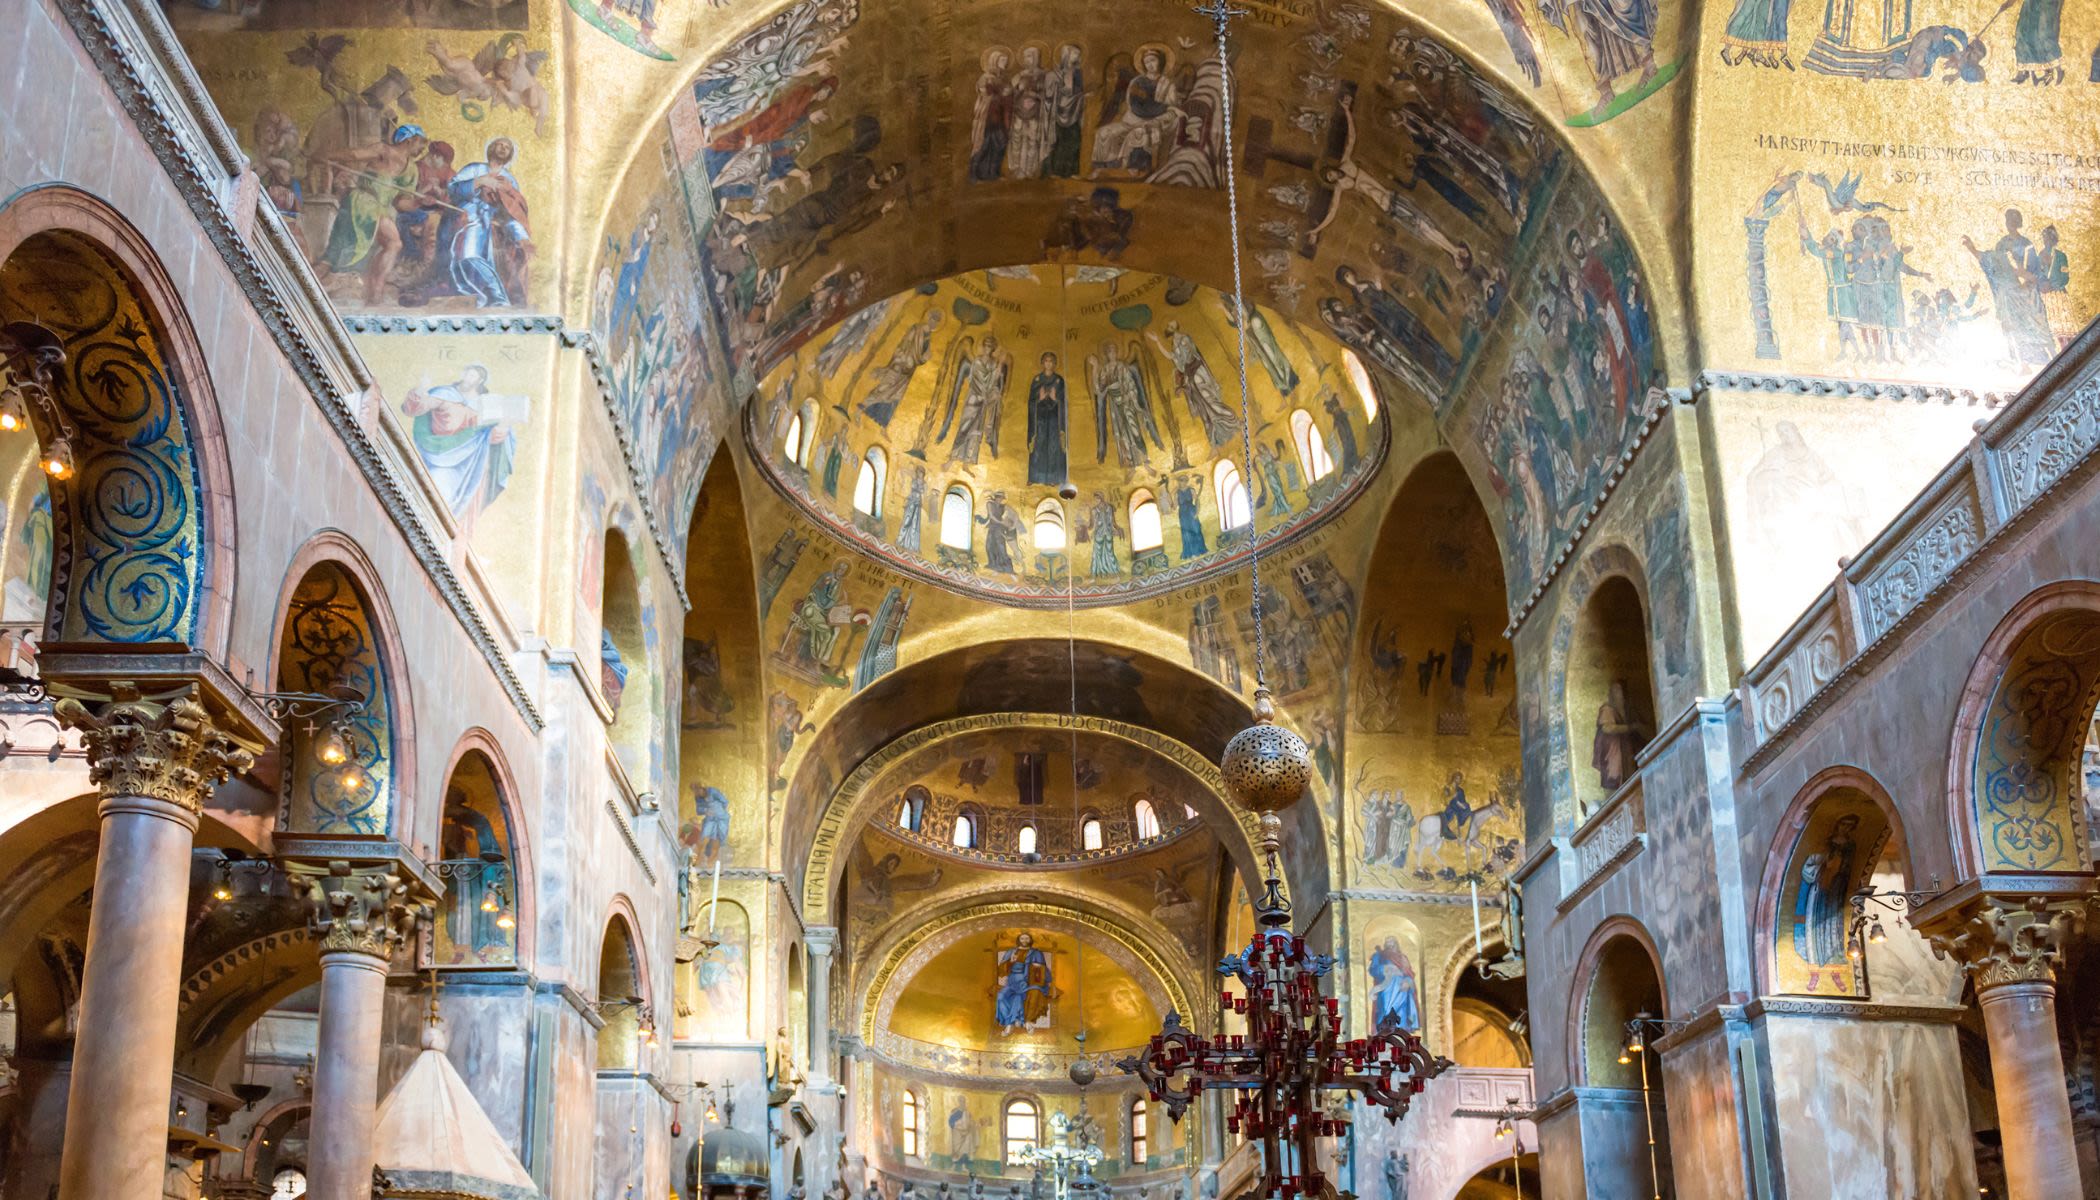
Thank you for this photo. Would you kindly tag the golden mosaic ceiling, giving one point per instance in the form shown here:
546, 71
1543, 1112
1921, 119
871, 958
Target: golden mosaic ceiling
959, 996
1001, 387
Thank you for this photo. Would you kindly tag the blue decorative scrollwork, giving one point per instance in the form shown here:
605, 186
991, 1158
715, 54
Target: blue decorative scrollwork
329, 644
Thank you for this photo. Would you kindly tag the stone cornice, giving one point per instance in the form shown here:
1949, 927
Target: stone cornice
1658, 404
136, 54
1807, 1008
1709, 382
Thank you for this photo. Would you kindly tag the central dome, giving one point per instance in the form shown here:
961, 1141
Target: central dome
945, 432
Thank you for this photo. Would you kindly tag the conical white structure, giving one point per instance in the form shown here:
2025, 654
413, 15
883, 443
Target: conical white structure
434, 1141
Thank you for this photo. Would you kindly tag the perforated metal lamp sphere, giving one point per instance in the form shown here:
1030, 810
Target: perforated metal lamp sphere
1082, 1072
1267, 768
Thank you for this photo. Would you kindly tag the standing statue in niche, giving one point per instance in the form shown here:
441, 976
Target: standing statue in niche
1619, 737
1397, 1168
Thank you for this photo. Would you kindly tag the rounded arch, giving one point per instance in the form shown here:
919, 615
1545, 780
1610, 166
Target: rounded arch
1602, 646
857, 801
329, 564
907, 953
1785, 856
1588, 1020
481, 744
627, 670
2015, 800
62, 217
623, 989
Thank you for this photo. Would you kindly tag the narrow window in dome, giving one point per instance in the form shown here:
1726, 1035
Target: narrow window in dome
956, 510
1021, 1129
1025, 840
1145, 533
1361, 380
1139, 1132
1146, 819
1312, 448
1090, 834
965, 835
1235, 508
1050, 527
791, 445
867, 490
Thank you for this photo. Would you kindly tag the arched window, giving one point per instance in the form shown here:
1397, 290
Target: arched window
911, 1125
911, 814
1090, 834
1360, 379
1145, 533
1050, 527
801, 434
956, 510
1025, 840
1146, 819
791, 445
1023, 1128
1235, 508
1139, 1141
965, 833
1312, 448
867, 490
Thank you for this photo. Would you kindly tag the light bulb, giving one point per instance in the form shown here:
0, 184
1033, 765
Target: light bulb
330, 748
506, 922
488, 904
58, 458
222, 892
1877, 934
11, 415
1625, 1057
712, 1115
353, 779
1633, 1044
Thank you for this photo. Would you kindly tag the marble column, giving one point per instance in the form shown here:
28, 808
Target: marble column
361, 916
154, 762
2011, 946
821, 940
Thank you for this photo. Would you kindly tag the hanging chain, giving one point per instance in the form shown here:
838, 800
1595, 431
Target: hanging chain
1221, 15
1072, 664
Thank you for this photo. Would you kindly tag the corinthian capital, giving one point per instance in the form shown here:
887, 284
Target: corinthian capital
166, 747
2008, 939
362, 910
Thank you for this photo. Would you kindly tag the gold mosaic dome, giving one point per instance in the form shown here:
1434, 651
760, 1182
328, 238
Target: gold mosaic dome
1007, 433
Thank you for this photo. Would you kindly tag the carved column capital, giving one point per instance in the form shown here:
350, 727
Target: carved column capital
167, 747
360, 910
2007, 939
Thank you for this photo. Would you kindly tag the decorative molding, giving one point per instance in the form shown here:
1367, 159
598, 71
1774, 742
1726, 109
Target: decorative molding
2054, 440
1708, 382
516, 323
210, 973
634, 846
1949, 535
120, 38
1658, 404
586, 340
1613, 835
1852, 1010
2002, 937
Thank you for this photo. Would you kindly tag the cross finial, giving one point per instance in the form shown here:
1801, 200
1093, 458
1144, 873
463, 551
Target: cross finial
1220, 13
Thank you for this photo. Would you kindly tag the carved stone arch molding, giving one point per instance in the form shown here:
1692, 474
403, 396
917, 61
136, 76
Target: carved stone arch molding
159, 524
1585, 990
855, 799
479, 740
2015, 795
1123, 947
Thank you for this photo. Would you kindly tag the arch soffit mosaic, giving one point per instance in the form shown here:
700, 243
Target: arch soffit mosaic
57, 208
2052, 638
856, 799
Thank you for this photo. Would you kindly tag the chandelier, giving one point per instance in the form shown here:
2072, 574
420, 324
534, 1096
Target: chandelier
1283, 1073
1070, 1167
1279, 1075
